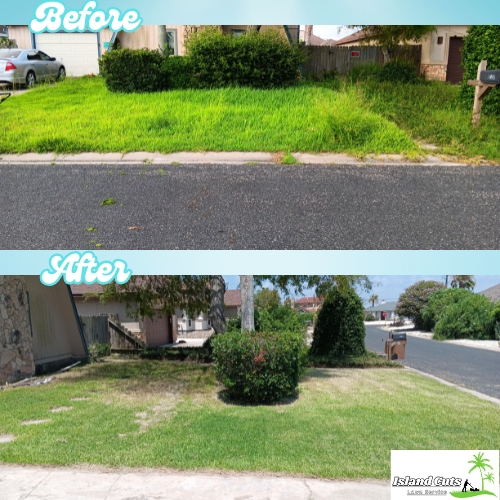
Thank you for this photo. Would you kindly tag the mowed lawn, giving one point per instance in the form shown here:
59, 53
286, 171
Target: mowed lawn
343, 423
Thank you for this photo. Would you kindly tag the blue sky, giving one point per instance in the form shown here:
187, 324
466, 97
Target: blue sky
390, 287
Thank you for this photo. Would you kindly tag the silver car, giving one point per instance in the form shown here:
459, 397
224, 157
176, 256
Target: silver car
28, 66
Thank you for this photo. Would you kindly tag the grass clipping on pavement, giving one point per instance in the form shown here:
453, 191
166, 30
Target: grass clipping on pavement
342, 424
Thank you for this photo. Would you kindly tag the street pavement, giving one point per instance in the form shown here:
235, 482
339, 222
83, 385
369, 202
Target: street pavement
248, 206
58, 483
476, 369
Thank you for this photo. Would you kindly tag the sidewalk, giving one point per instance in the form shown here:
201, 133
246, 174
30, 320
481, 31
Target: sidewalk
57, 483
234, 157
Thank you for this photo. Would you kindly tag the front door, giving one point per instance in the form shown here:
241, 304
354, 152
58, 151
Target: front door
454, 71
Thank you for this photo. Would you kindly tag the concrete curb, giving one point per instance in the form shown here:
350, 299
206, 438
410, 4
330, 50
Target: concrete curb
218, 157
479, 395
32, 482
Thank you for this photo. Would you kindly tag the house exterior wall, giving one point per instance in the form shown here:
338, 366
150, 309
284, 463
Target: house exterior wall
56, 332
16, 353
22, 36
231, 311
93, 307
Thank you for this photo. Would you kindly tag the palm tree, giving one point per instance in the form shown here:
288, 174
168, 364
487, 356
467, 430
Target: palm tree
162, 37
489, 477
466, 281
308, 32
480, 463
247, 304
373, 299
216, 314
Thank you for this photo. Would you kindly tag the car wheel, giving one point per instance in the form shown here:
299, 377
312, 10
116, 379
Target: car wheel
62, 73
30, 79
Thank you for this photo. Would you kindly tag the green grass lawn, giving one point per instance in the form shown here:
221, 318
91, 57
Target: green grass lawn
80, 115
343, 423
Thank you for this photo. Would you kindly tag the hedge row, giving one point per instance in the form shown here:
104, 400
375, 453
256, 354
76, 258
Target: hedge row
213, 60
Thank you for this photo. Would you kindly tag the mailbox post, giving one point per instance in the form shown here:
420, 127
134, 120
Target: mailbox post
395, 345
486, 80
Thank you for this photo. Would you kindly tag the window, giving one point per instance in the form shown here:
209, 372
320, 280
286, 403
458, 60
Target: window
189, 322
209, 323
172, 42
43, 56
33, 56
237, 33
440, 40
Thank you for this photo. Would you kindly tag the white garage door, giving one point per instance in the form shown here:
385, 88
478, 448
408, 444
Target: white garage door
77, 51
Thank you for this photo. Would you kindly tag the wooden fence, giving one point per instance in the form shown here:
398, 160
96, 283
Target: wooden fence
324, 58
95, 329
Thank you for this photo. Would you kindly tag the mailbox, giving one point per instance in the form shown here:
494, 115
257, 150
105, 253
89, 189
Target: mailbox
395, 346
490, 76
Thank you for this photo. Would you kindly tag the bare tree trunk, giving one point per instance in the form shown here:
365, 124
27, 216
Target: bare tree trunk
387, 56
162, 37
217, 291
308, 32
247, 307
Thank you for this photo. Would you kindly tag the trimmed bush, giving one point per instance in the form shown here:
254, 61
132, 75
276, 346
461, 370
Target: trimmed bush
280, 319
414, 299
438, 302
127, 70
258, 367
480, 42
198, 354
470, 318
371, 317
260, 60
340, 330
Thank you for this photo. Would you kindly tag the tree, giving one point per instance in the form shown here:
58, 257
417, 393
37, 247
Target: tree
162, 37
247, 303
389, 36
7, 43
480, 463
267, 299
308, 32
466, 281
413, 300
340, 329
217, 292
373, 299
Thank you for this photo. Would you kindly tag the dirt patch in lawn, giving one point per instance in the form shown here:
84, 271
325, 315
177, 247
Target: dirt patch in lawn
59, 409
7, 438
80, 399
35, 422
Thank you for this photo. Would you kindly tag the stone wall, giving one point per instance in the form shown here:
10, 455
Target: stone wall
434, 71
16, 354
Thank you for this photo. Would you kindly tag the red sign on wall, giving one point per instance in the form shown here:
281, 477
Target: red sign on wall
355, 53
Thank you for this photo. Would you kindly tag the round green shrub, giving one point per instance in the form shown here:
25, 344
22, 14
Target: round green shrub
340, 330
470, 318
260, 60
258, 367
438, 302
127, 70
480, 42
398, 72
414, 299
371, 317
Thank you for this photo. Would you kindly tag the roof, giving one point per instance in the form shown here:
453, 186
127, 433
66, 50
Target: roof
232, 298
386, 306
354, 37
308, 300
79, 290
493, 293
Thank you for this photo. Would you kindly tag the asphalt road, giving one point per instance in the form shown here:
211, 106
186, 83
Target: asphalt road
470, 367
249, 207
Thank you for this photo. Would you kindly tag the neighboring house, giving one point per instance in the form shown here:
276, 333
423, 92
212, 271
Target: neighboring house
80, 51
441, 52
316, 40
307, 304
3, 31
156, 332
39, 328
493, 293
383, 311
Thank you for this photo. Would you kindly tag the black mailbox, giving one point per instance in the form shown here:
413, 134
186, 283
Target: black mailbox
490, 76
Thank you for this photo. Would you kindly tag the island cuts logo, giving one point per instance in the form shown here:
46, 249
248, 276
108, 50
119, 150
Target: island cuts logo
458, 473
76, 268
52, 17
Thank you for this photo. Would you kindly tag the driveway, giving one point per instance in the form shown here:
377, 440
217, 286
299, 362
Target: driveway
215, 206
477, 369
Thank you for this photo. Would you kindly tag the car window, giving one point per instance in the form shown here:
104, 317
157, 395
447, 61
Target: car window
9, 54
43, 56
33, 56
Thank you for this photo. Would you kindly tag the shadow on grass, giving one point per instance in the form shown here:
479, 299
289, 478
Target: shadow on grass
224, 397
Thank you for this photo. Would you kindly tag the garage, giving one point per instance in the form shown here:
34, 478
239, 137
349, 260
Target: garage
78, 52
